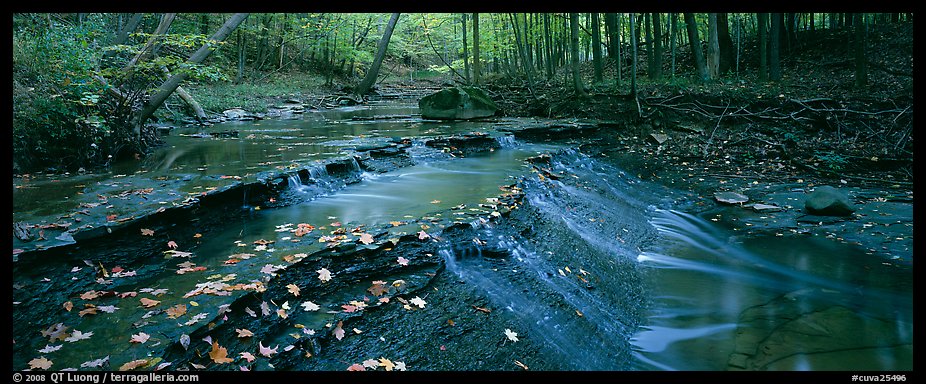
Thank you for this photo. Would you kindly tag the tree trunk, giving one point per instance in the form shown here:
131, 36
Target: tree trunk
465, 51
189, 100
774, 50
169, 86
633, 62
149, 47
477, 65
763, 48
861, 62
695, 43
650, 58
525, 61
673, 26
548, 38
596, 48
610, 22
727, 50
130, 27
370, 78
619, 62
574, 53
240, 74
657, 46
713, 47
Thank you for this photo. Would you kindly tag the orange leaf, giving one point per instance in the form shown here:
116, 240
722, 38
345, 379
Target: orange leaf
244, 333
67, 306
148, 303
219, 354
133, 364
176, 311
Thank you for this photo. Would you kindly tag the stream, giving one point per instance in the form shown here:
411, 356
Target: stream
592, 267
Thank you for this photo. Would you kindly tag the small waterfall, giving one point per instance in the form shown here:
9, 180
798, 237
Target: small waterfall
317, 173
507, 141
294, 183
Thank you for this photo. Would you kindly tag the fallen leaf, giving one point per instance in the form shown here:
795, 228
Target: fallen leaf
77, 336
324, 274
422, 235
40, 363
399, 365
134, 364
91, 310
67, 306
95, 363
140, 338
418, 301
355, 367
172, 245
265, 351
176, 311
338, 332
50, 348
148, 303
147, 232
309, 306
293, 288
513, 336
386, 363
219, 354
90, 295
520, 364
366, 238
198, 366
248, 356
282, 313
185, 341
244, 333
402, 261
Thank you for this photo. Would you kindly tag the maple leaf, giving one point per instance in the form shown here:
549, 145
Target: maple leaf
513, 336
324, 274
40, 363
219, 354
90, 295
140, 338
422, 235
147, 232
395, 223
386, 363
148, 303
67, 306
264, 308
418, 301
248, 356
282, 313
293, 288
78, 335
244, 333
399, 365
108, 308
172, 245
366, 238
56, 332
266, 351
176, 311
349, 308
95, 363
402, 261
134, 364
378, 289
338, 332
309, 306
250, 312
50, 348
90, 310
356, 367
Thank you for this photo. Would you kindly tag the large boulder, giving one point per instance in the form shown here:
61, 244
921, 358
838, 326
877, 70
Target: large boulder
457, 103
828, 201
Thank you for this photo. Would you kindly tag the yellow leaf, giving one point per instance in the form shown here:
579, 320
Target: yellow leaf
133, 365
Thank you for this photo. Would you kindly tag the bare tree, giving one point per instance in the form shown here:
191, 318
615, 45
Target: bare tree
370, 78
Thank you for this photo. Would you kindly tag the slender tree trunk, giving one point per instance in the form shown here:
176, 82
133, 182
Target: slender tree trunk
774, 65
619, 61
596, 48
763, 45
861, 62
548, 38
574, 53
633, 63
673, 26
370, 78
695, 43
477, 64
525, 61
465, 51
129, 27
650, 58
610, 21
169, 86
240, 74
713, 47
657, 46
725, 43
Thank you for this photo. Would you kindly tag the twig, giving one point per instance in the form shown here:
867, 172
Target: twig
711, 138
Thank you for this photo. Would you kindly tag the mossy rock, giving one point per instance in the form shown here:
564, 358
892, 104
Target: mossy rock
457, 103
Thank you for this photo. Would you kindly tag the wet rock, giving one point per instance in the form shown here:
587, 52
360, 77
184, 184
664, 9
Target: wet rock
21, 231
464, 144
828, 201
458, 103
556, 131
658, 138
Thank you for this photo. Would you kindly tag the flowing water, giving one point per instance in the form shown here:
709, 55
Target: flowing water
610, 276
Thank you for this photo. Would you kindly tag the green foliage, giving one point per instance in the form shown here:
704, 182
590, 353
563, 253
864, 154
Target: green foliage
832, 161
